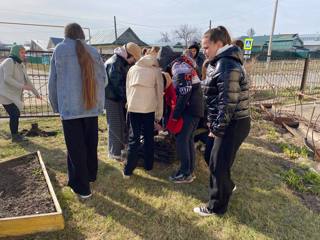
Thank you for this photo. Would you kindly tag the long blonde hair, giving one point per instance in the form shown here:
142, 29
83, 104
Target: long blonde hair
89, 87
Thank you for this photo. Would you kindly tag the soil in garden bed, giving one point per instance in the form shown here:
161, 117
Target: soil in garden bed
23, 188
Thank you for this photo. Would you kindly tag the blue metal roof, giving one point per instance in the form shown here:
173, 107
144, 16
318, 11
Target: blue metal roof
56, 40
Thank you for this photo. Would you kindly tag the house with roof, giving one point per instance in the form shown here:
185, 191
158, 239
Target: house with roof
53, 42
282, 45
38, 45
311, 41
106, 41
4, 46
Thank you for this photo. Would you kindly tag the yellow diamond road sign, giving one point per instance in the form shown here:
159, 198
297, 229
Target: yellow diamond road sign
248, 42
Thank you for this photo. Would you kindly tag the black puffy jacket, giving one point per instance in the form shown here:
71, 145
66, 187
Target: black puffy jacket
117, 68
226, 90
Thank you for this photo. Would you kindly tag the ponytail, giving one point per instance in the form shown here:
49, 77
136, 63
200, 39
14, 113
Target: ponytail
89, 88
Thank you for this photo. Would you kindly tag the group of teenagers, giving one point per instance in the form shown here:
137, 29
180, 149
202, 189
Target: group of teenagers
141, 97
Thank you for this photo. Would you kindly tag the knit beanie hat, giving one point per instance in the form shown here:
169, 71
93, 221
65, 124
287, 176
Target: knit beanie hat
134, 50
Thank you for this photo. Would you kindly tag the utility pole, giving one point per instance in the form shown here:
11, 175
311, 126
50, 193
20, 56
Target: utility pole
272, 31
115, 27
210, 24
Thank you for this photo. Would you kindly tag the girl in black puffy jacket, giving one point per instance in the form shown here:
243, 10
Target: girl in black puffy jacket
226, 91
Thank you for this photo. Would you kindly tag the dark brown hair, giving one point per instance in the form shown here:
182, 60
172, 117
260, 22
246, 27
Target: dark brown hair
219, 33
89, 88
238, 43
144, 51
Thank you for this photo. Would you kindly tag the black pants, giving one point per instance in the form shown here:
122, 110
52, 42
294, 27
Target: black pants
207, 152
14, 115
222, 157
81, 136
140, 123
186, 152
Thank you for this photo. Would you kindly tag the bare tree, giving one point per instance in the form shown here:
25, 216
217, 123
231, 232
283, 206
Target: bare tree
164, 37
187, 33
251, 32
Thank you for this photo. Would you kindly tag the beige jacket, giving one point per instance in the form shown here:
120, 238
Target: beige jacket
13, 77
144, 87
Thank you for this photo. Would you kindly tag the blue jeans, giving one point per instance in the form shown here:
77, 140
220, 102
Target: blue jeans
185, 144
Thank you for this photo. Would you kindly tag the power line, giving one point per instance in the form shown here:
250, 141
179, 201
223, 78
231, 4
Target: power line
42, 25
30, 13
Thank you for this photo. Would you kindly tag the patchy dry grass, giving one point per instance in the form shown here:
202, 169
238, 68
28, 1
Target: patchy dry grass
303, 180
148, 206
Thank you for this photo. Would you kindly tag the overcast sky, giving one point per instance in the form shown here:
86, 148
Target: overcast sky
149, 18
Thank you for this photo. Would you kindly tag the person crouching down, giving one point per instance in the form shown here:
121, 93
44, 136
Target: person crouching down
144, 90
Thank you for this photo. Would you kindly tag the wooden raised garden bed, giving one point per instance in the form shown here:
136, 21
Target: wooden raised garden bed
28, 203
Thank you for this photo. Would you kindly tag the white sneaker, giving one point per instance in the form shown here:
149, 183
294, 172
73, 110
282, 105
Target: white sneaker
203, 211
125, 176
85, 196
234, 189
82, 196
115, 157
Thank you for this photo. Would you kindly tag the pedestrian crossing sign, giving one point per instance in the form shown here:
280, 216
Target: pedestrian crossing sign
248, 42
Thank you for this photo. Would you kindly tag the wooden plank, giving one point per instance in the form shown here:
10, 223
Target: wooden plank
52, 193
291, 130
32, 224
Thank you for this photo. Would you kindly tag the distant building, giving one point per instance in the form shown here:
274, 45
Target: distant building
4, 46
106, 42
282, 45
311, 41
53, 42
38, 45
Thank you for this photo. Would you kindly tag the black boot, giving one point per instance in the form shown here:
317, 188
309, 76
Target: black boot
18, 138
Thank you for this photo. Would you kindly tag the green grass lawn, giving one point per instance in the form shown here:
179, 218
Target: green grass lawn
148, 206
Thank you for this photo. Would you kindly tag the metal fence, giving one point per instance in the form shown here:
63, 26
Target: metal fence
37, 66
281, 78
277, 82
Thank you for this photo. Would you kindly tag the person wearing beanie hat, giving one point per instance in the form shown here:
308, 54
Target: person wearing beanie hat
13, 81
198, 56
115, 96
134, 50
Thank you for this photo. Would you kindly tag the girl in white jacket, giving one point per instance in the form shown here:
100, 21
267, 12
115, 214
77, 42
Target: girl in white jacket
144, 89
13, 81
